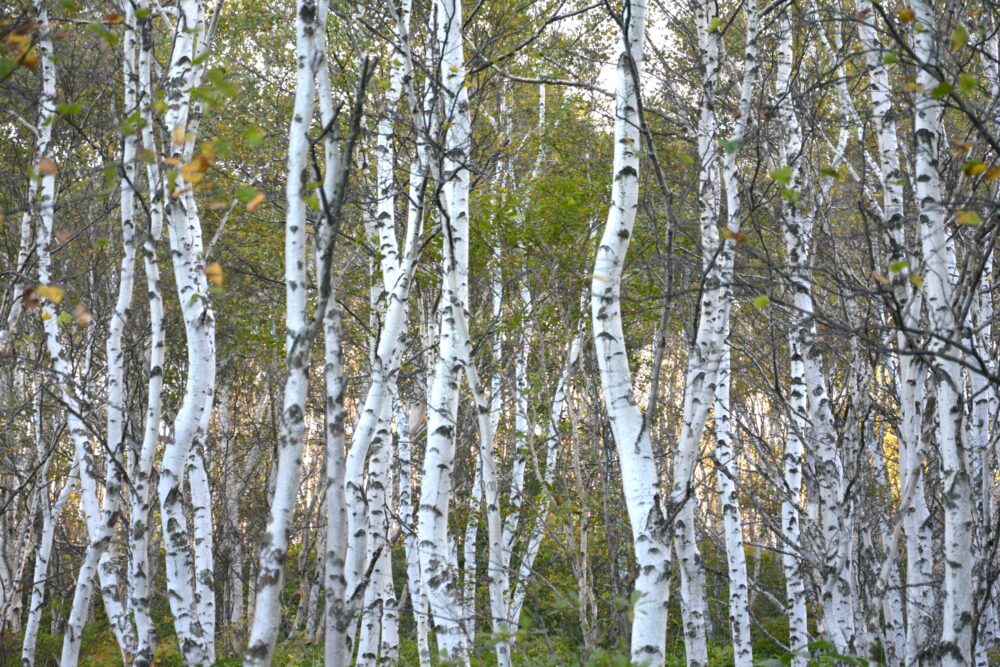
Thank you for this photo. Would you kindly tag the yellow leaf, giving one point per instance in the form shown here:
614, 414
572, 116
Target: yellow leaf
255, 203
194, 170
46, 316
959, 148
173, 162
208, 151
46, 167
177, 136
114, 19
735, 236
18, 42
50, 292
30, 59
907, 15
974, 168
992, 174
82, 315
214, 274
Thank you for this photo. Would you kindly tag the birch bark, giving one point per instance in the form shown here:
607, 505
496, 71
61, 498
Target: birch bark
139, 497
910, 385
957, 605
739, 603
48, 513
650, 532
181, 213
274, 543
795, 584
438, 575
97, 531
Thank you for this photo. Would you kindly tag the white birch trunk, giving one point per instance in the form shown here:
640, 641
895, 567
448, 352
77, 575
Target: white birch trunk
919, 594
791, 514
739, 603
274, 543
118, 615
650, 533
49, 514
957, 605
97, 531
139, 497
187, 254
705, 354
405, 423
439, 578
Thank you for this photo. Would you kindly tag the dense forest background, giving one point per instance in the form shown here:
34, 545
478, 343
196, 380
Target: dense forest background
538, 332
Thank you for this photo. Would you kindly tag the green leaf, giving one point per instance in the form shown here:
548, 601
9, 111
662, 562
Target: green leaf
968, 217
7, 65
896, 267
68, 108
254, 137
245, 193
730, 146
967, 82
942, 90
829, 171
132, 123
783, 175
715, 24
64, 318
959, 38
102, 32
890, 57
761, 301
791, 196
110, 172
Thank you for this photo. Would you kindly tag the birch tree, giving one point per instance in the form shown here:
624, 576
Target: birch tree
957, 625
639, 470
795, 584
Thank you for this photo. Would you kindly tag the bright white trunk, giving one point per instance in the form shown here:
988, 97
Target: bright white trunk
650, 532
791, 514
957, 605
919, 594
199, 324
274, 543
141, 470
